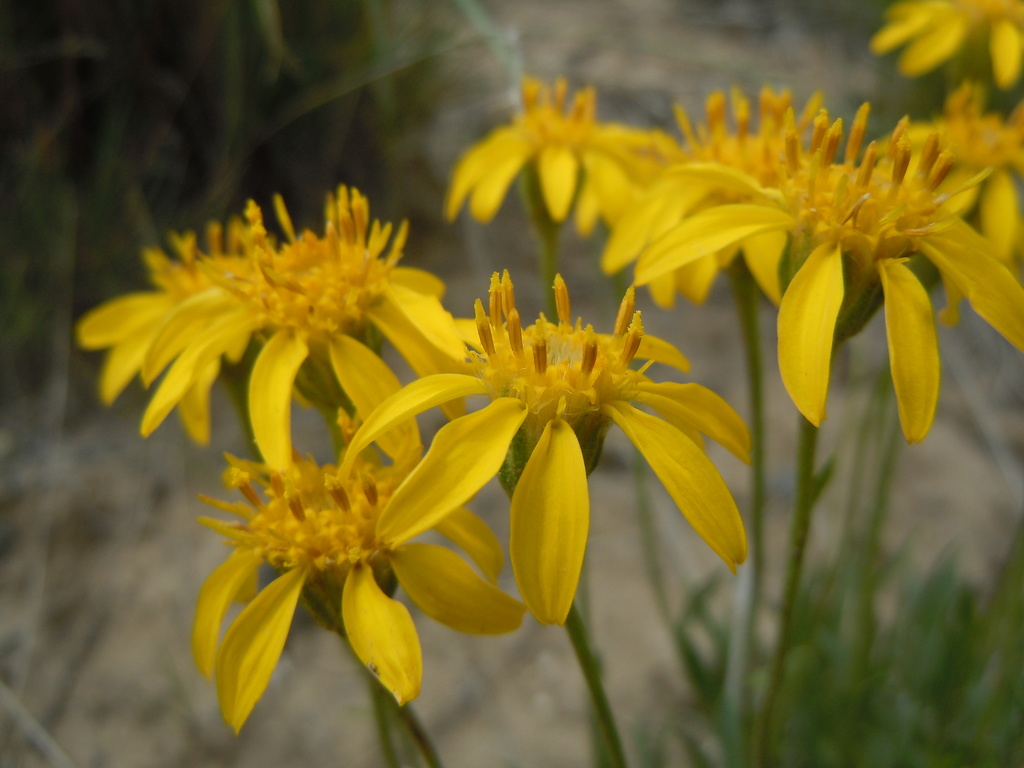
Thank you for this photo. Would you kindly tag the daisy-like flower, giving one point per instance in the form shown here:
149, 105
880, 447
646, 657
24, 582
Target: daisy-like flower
576, 158
852, 229
683, 188
127, 325
985, 140
937, 30
312, 300
335, 540
555, 388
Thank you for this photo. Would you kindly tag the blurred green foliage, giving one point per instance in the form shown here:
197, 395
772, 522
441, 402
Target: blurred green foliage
124, 119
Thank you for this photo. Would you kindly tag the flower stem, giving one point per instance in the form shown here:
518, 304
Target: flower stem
806, 493
380, 716
548, 231
748, 592
419, 736
592, 674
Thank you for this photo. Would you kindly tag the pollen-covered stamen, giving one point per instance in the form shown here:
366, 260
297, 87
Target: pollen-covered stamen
283, 218
277, 484
830, 144
295, 505
336, 489
508, 294
685, 127
483, 328
369, 489
897, 133
941, 169
900, 163
494, 301
540, 356
792, 142
741, 113
818, 129
626, 309
239, 479
857, 131
715, 108
562, 301
867, 165
633, 337
514, 329
929, 154
589, 357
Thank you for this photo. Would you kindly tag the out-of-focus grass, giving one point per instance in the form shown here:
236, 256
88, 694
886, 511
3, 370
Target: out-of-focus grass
123, 120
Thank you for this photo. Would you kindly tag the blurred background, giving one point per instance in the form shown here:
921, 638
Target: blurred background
122, 120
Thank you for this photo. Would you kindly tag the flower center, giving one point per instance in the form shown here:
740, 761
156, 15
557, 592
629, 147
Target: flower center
317, 285
555, 369
546, 119
310, 517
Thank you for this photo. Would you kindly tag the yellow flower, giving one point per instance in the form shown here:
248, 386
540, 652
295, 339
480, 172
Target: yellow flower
128, 324
334, 540
313, 298
570, 150
852, 229
682, 188
555, 388
937, 30
985, 140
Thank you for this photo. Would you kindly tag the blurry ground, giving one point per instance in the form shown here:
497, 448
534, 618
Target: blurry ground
100, 557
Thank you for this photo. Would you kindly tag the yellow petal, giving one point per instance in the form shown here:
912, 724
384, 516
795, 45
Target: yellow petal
716, 176
661, 351
478, 162
252, 646
464, 455
690, 479
763, 254
991, 289
1000, 214
122, 363
382, 634
447, 590
367, 381
913, 348
415, 398
505, 160
694, 280
408, 318
475, 538
933, 48
608, 183
222, 335
187, 322
706, 233
270, 396
807, 322
900, 30
1005, 45
194, 407
232, 579
418, 280
118, 319
558, 169
697, 407
663, 290
550, 518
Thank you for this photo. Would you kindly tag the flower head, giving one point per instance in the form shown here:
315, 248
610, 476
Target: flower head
573, 155
852, 227
937, 30
322, 532
684, 187
984, 140
555, 388
128, 325
313, 304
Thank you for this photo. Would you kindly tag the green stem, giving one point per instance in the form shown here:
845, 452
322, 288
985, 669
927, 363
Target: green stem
649, 536
806, 492
548, 232
741, 649
592, 674
380, 716
419, 736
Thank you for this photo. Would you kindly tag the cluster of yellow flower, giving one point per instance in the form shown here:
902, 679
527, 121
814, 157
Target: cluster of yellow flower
830, 237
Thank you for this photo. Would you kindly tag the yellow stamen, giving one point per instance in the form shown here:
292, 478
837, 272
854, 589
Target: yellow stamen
483, 328
514, 329
942, 167
857, 131
562, 301
626, 308
540, 355
633, 337
867, 165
